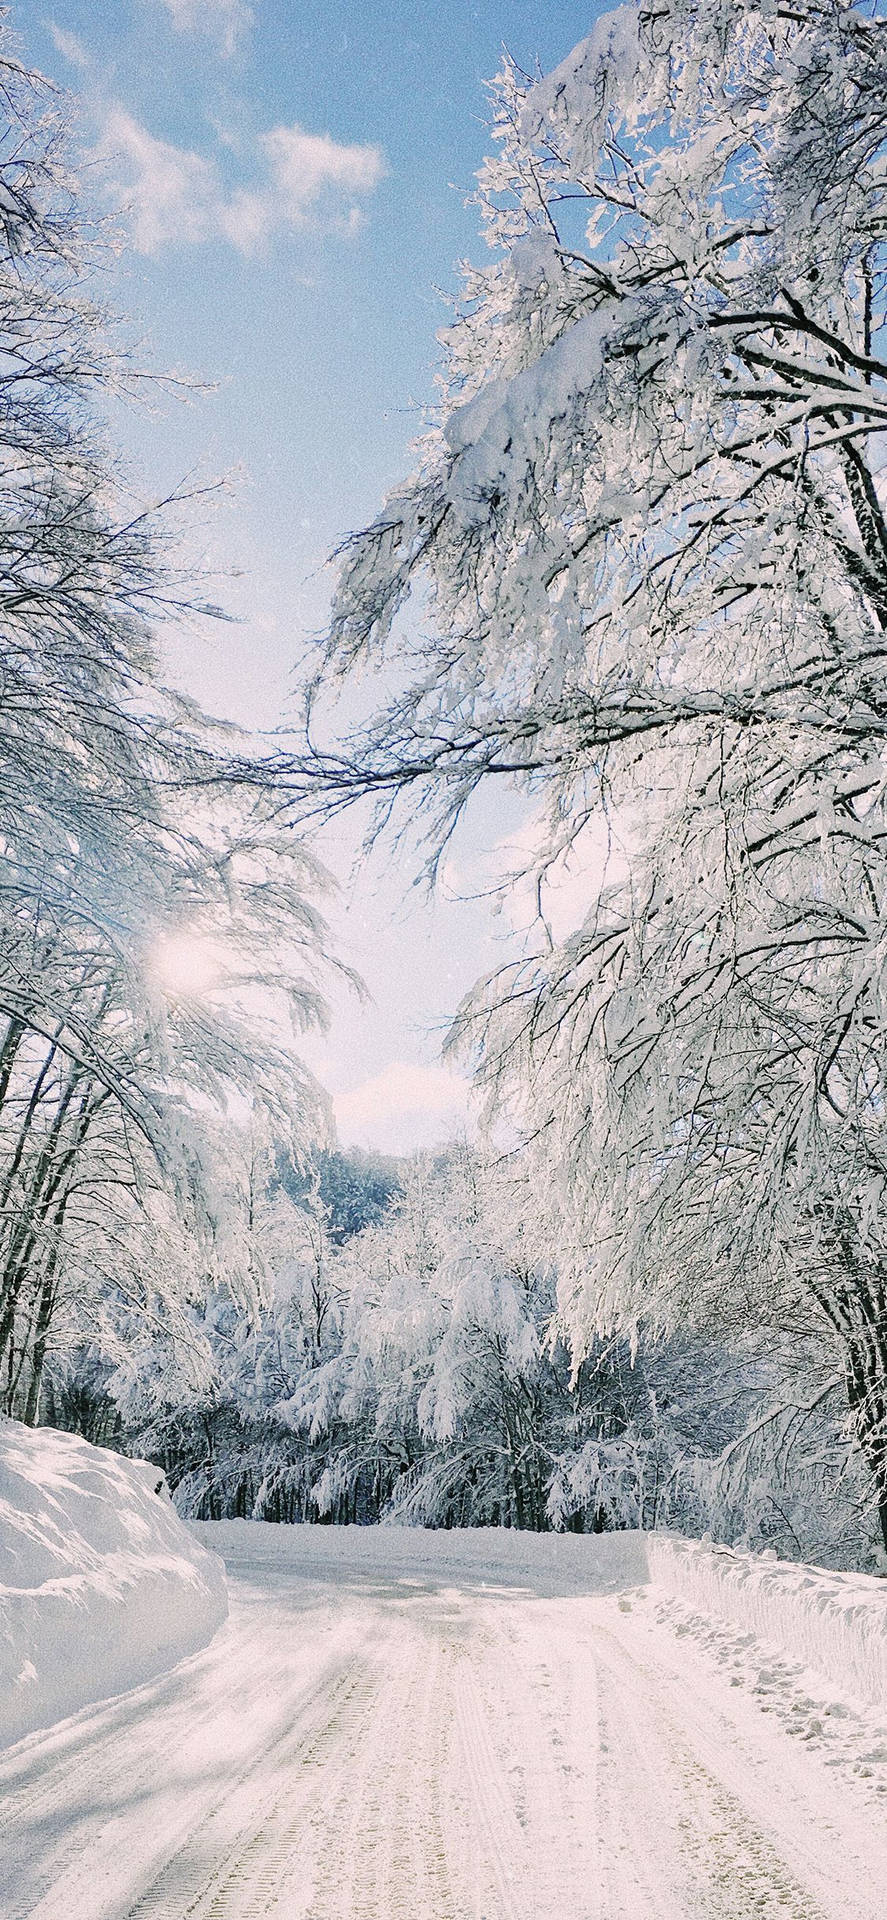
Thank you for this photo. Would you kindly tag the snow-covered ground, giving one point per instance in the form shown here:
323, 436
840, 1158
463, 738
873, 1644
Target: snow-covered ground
101, 1585
834, 1623
398, 1724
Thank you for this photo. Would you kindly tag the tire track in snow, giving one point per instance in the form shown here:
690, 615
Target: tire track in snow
173, 1732
394, 1807
543, 1716
118, 1751
388, 1749
680, 1840
241, 1859
504, 1850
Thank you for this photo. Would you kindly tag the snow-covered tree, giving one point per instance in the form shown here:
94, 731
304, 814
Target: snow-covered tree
418, 1369
217, 1424
128, 1102
134, 836
649, 537
450, 1398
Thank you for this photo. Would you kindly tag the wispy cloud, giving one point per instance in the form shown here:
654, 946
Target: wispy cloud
169, 192
306, 165
176, 196
70, 48
222, 21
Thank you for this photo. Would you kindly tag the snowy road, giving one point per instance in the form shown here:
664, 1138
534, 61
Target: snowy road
387, 1731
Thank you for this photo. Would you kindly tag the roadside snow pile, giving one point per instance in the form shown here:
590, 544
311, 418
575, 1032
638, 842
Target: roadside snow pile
545, 1564
101, 1586
835, 1623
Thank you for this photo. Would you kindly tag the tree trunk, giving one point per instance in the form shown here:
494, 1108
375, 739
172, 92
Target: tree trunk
45, 1310
866, 1376
856, 1305
50, 1175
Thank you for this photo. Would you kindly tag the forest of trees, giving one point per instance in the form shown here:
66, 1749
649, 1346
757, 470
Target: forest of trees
640, 576
410, 1365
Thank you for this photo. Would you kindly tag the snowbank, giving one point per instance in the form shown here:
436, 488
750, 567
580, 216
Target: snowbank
835, 1623
101, 1586
546, 1564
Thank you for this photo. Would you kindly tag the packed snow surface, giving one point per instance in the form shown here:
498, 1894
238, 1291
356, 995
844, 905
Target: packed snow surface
397, 1725
101, 1585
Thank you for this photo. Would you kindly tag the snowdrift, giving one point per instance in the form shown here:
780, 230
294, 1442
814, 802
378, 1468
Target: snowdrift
101, 1586
835, 1623
546, 1564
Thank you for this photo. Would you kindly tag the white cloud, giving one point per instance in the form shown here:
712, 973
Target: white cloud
306, 165
403, 1107
70, 48
176, 196
169, 192
245, 219
564, 891
224, 21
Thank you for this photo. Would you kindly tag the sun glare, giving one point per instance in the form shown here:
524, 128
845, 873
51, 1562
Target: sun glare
187, 965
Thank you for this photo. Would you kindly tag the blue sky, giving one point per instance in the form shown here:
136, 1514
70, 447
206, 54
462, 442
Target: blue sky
294, 175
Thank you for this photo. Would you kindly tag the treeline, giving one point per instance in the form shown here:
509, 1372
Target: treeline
415, 1368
